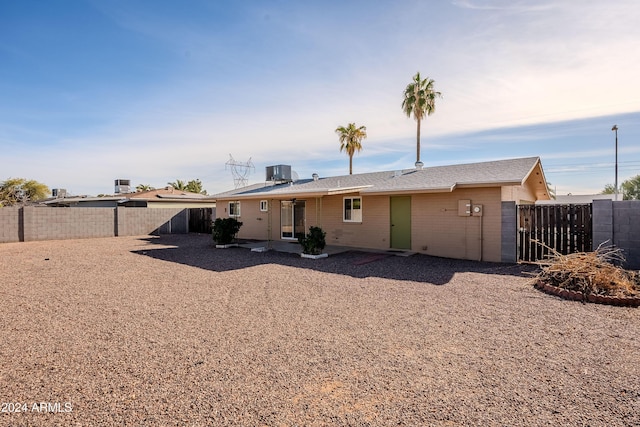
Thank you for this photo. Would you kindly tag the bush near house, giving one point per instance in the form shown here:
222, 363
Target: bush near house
225, 230
314, 242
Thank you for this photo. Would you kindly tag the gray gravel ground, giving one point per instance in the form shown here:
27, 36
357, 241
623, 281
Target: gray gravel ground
171, 331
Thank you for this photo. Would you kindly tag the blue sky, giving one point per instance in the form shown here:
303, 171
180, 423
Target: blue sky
154, 91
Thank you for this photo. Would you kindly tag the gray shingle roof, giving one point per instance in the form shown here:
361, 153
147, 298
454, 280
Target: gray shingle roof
430, 179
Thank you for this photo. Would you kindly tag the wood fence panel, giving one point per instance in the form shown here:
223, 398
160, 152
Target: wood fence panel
543, 229
200, 220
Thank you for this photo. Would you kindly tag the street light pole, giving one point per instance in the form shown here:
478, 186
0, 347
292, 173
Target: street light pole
615, 129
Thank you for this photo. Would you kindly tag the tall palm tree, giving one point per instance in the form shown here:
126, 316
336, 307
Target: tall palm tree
351, 140
419, 100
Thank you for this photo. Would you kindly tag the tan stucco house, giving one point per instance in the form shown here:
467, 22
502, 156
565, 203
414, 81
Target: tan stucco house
449, 211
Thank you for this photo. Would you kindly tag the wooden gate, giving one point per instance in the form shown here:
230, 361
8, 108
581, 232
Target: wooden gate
200, 220
564, 228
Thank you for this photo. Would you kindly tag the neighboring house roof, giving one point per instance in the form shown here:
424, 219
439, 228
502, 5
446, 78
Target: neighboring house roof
164, 193
577, 199
66, 201
428, 180
167, 194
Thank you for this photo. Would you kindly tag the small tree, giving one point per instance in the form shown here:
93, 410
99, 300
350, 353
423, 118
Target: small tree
629, 189
225, 230
314, 242
19, 190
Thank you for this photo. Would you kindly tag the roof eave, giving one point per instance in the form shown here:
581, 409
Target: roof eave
280, 196
412, 190
301, 193
543, 183
174, 200
488, 184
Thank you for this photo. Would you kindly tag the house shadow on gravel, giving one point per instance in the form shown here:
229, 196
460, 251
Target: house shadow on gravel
198, 250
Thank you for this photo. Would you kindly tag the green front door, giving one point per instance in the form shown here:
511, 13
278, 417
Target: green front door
401, 222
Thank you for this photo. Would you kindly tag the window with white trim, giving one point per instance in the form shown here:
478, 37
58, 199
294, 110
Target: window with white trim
234, 209
264, 205
352, 209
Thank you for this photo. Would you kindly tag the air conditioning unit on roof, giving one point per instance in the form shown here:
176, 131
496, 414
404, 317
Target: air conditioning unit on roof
279, 173
122, 186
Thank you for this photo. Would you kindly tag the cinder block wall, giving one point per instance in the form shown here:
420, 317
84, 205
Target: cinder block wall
626, 230
509, 232
10, 224
140, 221
42, 223
31, 223
602, 222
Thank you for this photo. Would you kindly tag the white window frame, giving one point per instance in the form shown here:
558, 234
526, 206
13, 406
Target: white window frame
234, 209
264, 205
355, 214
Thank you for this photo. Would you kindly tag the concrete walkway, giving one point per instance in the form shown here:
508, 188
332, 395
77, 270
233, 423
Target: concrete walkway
294, 248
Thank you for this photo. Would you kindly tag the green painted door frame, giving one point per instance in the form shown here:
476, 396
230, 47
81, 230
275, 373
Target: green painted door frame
400, 222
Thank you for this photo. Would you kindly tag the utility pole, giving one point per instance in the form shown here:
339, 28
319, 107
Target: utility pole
615, 129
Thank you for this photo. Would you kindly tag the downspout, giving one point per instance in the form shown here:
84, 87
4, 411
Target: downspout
269, 223
481, 238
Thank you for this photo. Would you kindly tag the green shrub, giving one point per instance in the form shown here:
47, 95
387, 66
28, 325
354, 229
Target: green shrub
314, 242
225, 230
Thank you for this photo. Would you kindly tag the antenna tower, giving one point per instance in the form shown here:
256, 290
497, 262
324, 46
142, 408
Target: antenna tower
240, 171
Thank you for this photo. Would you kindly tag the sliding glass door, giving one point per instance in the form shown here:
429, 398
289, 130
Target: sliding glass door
292, 223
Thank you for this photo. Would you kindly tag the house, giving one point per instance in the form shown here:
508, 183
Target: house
167, 197
449, 211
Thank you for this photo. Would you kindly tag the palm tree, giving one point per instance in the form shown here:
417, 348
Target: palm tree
195, 186
351, 140
144, 187
419, 100
178, 185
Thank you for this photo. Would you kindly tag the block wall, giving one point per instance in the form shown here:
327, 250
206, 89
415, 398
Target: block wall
32, 223
10, 224
42, 223
509, 232
142, 221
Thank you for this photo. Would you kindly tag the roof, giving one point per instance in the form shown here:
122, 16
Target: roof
75, 199
164, 193
160, 195
428, 180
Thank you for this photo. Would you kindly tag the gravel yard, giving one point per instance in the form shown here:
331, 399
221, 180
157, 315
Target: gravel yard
171, 331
